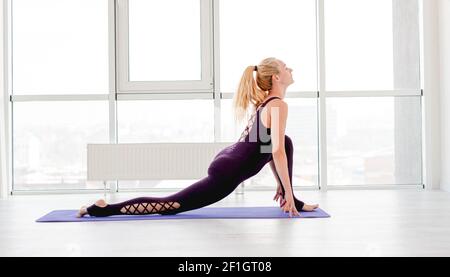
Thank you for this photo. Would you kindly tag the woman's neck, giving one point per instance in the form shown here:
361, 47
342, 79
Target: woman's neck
277, 93
277, 90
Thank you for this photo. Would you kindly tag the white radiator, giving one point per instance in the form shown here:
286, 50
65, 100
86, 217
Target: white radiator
150, 161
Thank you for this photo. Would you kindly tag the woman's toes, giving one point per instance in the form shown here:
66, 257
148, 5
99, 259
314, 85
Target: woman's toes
82, 211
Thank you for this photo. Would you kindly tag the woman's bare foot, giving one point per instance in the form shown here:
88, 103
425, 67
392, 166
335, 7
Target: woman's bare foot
309, 208
83, 210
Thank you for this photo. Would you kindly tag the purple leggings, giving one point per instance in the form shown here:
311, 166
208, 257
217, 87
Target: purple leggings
230, 167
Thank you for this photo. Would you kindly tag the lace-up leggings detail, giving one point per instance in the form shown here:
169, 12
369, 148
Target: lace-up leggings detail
149, 208
136, 206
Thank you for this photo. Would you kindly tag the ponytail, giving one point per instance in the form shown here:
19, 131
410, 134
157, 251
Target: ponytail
247, 93
254, 91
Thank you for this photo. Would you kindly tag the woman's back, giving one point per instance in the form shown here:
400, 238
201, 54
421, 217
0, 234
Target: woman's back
261, 132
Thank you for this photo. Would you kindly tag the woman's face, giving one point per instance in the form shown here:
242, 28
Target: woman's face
285, 76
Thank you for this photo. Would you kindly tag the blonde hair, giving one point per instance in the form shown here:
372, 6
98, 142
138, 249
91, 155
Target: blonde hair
254, 91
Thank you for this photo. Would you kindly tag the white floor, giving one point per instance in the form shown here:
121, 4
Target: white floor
362, 223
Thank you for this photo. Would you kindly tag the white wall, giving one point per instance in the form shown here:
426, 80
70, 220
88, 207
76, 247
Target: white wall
444, 45
3, 170
431, 99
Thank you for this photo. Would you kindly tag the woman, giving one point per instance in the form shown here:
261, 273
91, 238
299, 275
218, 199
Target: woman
256, 147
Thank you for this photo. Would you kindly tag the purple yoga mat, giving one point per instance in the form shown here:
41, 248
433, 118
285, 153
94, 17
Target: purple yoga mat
202, 213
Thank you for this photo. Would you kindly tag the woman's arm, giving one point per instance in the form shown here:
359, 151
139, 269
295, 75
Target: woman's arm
274, 171
279, 191
278, 116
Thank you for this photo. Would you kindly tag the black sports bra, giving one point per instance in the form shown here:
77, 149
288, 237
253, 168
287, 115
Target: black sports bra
248, 130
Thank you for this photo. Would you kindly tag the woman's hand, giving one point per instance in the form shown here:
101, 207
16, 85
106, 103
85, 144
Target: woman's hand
289, 206
279, 195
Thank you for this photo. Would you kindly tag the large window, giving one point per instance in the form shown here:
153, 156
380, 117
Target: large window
50, 143
59, 52
386, 151
372, 50
160, 50
248, 34
164, 46
136, 71
60, 47
165, 121
372, 45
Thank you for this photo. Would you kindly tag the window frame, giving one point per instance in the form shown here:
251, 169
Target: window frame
205, 85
